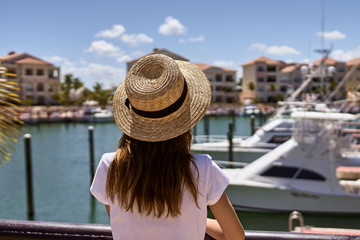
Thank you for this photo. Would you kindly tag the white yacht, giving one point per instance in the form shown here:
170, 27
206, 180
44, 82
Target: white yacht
301, 173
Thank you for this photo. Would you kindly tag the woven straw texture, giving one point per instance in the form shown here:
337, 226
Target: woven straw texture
154, 83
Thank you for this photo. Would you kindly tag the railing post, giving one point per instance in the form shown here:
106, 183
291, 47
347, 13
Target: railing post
252, 117
230, 138
91, 147
28, 164
206, 125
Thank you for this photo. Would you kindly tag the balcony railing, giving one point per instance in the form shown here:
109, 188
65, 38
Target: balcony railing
26, 230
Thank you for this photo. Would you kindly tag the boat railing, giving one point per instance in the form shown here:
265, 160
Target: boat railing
31, 230
215, 138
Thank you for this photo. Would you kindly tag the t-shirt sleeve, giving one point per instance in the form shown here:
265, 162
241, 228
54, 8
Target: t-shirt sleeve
97, 188
216, 181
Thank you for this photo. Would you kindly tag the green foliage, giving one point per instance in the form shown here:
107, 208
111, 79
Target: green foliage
257, 100
100, 95
71, 84
251, 86
272, 87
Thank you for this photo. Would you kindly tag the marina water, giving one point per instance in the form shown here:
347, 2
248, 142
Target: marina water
61, 176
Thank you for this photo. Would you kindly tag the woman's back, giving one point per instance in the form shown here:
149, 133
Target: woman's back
190, 224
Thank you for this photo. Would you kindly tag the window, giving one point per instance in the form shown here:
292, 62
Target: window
271, 79
229, 78
316, 79
230, 100
218, 77
53, 73
271, 68
297, 79
40, 87
260, 68
289, 172
283, 88
29, 71
29, 87
218, 99
219, 88
40, 72
260, 89
341, 69
260, 79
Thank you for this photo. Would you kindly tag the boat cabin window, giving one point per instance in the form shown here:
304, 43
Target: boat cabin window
279, 139
289, 172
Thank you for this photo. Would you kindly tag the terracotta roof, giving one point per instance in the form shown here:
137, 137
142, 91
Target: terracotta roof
22, 58
262, 59
353, 62
30, 60
289, 68
204, 66
328, 61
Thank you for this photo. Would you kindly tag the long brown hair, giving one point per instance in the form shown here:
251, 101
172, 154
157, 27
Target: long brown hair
152, 175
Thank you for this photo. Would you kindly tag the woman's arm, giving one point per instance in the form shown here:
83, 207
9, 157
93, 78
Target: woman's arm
227, 224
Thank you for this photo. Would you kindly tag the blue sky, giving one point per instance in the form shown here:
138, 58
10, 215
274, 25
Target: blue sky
94, 39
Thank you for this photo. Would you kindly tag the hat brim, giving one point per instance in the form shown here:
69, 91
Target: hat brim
193, 109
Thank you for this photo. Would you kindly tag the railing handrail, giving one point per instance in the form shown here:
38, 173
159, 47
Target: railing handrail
26, 230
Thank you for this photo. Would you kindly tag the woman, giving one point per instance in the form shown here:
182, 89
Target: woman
152, 186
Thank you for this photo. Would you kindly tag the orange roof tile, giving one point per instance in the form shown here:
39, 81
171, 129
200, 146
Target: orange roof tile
204, 66
21, 58
262, 59
30, 60
289, 68
353, 62
328, 61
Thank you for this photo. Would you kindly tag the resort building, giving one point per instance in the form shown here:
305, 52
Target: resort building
38, 80
268, 80
223, 83
222, 80
354, 80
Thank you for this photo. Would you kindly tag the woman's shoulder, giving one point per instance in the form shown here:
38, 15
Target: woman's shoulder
108, 157
202, 160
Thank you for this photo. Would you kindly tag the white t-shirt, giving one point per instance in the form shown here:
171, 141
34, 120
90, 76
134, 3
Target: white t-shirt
190, 224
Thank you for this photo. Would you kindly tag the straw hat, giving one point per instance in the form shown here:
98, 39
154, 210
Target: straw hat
161, 98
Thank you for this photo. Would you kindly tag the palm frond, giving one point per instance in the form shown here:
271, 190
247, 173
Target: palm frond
9, 115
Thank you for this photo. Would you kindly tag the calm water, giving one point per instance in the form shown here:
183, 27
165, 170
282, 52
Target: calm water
61, 176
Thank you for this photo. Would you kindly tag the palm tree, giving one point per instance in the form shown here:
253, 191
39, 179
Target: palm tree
9, 115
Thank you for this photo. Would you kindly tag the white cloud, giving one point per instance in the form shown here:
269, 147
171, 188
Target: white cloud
342, 55
200, 38
136, 39
57, 60
225, 64
172, 26
89, 73
124, 58
103, 48
274, 50
334, 35
105, 74
305, 60
116, 32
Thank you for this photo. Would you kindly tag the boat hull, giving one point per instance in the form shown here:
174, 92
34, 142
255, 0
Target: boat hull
264, 199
